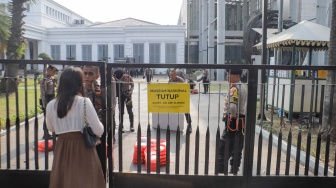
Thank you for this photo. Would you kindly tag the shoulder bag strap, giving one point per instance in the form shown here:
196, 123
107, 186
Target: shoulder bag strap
85, 121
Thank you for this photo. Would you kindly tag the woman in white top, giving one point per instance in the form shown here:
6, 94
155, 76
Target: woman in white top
74, 165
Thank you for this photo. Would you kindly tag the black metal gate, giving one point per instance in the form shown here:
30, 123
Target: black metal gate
197, 151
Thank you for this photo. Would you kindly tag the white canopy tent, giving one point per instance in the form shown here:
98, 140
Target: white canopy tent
302, 36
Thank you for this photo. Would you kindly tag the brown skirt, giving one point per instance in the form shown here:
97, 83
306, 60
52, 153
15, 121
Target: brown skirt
75, 165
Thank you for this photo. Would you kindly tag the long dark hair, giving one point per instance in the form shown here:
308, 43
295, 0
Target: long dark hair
70, 85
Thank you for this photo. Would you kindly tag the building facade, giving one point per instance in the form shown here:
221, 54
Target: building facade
215, 28
64, 35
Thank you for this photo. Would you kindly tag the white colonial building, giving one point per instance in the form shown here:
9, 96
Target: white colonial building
64, 35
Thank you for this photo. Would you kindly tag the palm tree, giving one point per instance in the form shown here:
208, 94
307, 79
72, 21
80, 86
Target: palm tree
4, 29
329, 109
15, 44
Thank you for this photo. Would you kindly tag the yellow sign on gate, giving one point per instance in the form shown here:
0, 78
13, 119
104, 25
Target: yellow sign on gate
168, 98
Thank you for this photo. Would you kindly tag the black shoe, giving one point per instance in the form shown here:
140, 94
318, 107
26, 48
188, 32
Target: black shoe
132, 129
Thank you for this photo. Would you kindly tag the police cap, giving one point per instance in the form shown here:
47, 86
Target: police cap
52, 67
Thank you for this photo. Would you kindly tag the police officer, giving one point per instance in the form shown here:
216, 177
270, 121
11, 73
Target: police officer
125, 88
148, 74
174, 78
92, 87
47, 88
234, 119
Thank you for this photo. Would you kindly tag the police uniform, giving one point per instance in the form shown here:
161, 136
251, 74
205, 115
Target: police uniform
148, 74
125, 88
47, 89
234, 119
205, 80
95, 96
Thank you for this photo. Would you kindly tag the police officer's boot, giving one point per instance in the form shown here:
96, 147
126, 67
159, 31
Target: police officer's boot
131, 117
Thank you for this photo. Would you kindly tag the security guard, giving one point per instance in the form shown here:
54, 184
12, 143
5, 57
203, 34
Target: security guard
47, 88
234, 119
125, 87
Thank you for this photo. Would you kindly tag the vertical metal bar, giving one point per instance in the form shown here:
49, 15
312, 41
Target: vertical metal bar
321, 104
158, 156
187, 148
302, 103
120, 128
226, 154
288, 155
307, 154
311, 101
177, 157
318, 153
109, 123
316, 96
26, 120
17, 124
262, 98
36, 125
269, 153
292, 96
259, 151
120, 146
207, 149
102, 69
139, 150
236, 153
277, 168
197, 140
298, 153
273, 93
7, 126
335, 165
250, 124
148, 149
217, 150
326, 158
207, 138
282, 105
218, 132
46, 145
168, 149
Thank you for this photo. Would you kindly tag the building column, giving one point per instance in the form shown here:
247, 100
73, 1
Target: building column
220, 38
94, 51
146, 52
239, 17
200, 29
162, 53
245, 13
211, 34
204, 32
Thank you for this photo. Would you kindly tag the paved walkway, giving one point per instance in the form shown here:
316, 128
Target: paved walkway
205, 112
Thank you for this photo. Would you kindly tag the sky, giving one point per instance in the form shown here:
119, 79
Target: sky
163, 12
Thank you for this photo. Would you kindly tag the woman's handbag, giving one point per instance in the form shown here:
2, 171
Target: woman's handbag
90, 138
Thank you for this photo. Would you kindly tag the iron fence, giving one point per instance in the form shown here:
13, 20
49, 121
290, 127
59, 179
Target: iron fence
285, 146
